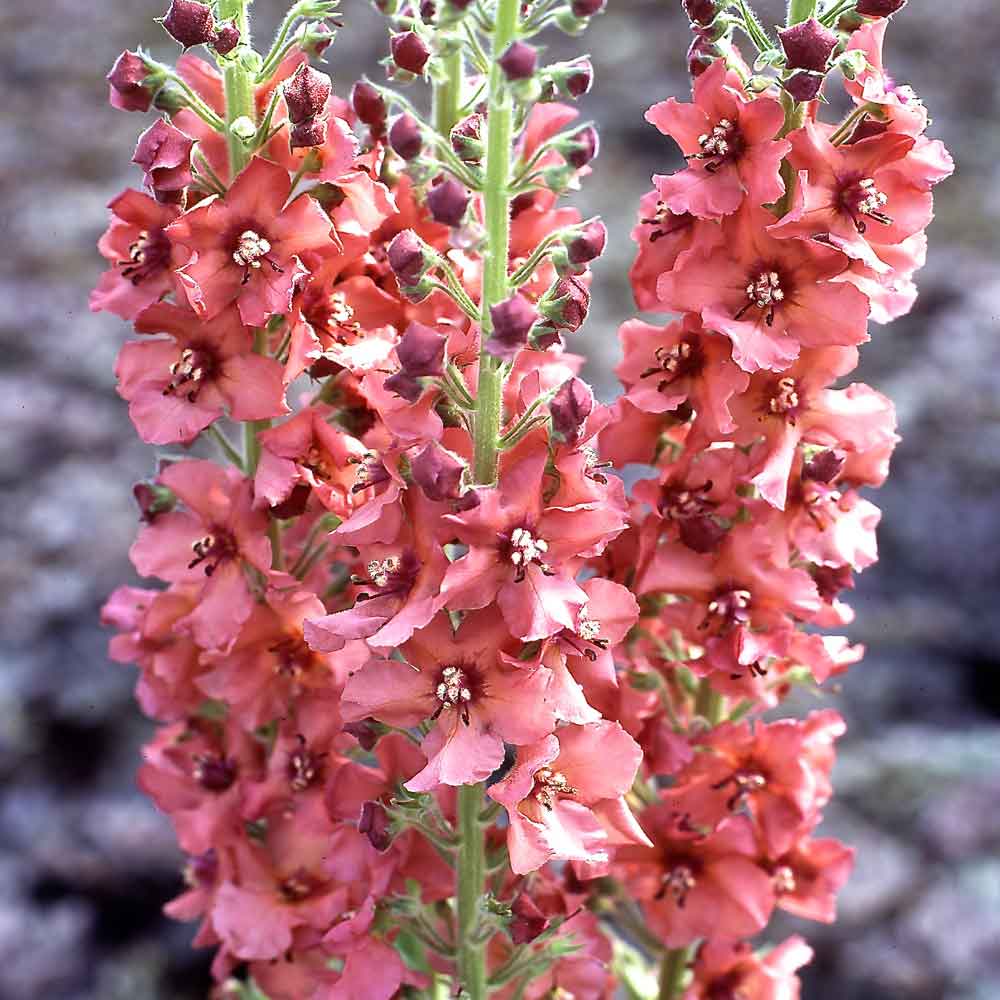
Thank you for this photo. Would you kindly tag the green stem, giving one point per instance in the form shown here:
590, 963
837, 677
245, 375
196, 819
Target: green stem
496, 284
672, 973
237, 84
448, 94
710, 704
251, 428
800, 10
471, 873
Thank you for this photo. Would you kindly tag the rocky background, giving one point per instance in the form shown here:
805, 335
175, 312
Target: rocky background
85, 862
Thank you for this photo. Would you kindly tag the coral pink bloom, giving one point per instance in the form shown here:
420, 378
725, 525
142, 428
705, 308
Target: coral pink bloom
456, 678
808, 878
697, 886
797, 407
307, 451
524, 554
730, 143
175, 388
765, 768
197, 772
664, 367
399, 592
212, 541
770, 297
245, 246
725, 970
831, 527
141, 254
167, 659
565, 796
854, 197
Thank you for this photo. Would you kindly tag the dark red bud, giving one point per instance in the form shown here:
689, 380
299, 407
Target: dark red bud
190, 23
369, 106
364, 732
405, 137
409, 52
164, 153
701, 53
579, 78
317, 40
588, 8
294, 505
129, 91
308, 133
512, 322
306, 93
448, 201
568, 307
374, 824
202, 870
879, 8
570, 407
519, 61
831, 580
582, 147
153, 500
227, 37
409, 257
214, 773
528, 920
427, 11
588, 245
466, 139
823, 467
421, 351
460, 4
701, 12
701, 533
803, 85
438, 473
808, 45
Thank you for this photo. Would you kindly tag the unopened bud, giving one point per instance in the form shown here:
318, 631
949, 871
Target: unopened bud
409, 52
227, 37
701, 534
190, 23
701, 53
527, 921
153, 500
374, 824
879, 8
823, 467
410, 258
421, 351
306, 93
308, 133
466, 139
803, 85
369, 106
581, 147
365, 732
567, 305
316, 39
588, 8
438, 473
569, 409
519, 61
808, 45
701, 12
581, 246
512, 322
132, 83
164, 153
448, 201
568, 79
405, 137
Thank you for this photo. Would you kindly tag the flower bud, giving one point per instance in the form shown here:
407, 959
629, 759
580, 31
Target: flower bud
808, 45
132, 83
823, 467
512, 322
701, 53
438, 473
581, 246
701, 12
369, 106
466, 139
568, 79
581, 147
164, 153
153, 500
519, 61
309, 133
227, 37
365, 732
410, 259
701, 533
588, 8
803, 85
421, 350
409, 52
405, 137
306, 93
567, 305
447, 202
527, 922
879, 8
374, 824
190, 23
316, 39
569, 409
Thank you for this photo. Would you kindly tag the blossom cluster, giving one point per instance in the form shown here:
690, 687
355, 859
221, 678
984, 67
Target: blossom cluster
441, 704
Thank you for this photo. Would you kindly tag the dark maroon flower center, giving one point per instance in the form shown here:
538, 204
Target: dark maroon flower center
251, 249
214, 772
147, 256
212, 549
861, 199
196, 365
305, 768
328, 312
685, 359
724, 143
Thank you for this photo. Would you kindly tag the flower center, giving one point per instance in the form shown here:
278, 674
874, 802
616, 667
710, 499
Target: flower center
586, 627
453, 688
211, 550
764, 291
294, 657
381, 570
785, 397
684, 358
666, 222
784, 879
525, 549
678, 883
729, 609
549, 785
722, 143
304, 767
370, 472
866, 199
250, 249
297, 887
745, 784
213, 772
188, 372
147, 255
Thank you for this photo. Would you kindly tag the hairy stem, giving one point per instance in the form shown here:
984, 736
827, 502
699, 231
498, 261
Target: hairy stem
672, 973
448, 94
237, 84
471, 873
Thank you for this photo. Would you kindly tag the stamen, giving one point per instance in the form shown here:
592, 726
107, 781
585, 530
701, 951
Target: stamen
549, 785
453, 688
784, 880
869, 201
764, 291
678, 883
526, 549
250, 249
785, 397
380, 570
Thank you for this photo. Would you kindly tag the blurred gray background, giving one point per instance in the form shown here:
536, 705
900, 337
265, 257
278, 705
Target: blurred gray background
85, 862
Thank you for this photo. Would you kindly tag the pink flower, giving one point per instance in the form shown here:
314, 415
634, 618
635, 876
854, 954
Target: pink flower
726, 969
730, 143
808, 878
211, 542
565, 796
177, 387
457, 679
770, 297
524, 554
245, 247
142, 256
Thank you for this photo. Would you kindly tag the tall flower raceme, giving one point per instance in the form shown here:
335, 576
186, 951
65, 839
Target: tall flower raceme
443, 710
